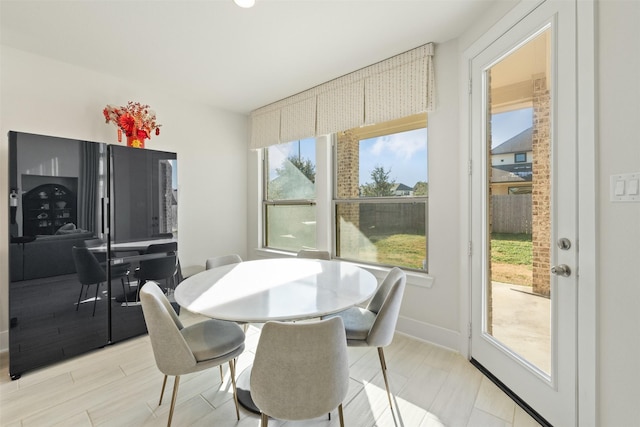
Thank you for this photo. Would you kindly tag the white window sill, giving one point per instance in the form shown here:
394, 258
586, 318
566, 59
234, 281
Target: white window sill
414, 278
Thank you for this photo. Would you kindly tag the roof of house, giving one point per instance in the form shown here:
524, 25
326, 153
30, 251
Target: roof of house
402, 187
522, 142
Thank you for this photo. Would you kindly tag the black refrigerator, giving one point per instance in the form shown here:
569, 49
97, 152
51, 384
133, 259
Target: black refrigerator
66, 193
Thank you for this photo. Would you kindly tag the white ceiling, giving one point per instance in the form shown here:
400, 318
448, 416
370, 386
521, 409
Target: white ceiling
217, 53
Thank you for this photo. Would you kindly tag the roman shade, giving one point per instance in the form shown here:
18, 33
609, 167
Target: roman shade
396, 87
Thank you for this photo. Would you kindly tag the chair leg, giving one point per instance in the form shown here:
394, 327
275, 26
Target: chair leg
176, 383
124, 292
79, 297
140, 283
221, 375
232, 368
341, 415
164, 383
171, 283
95, 301
383, 364
264, 419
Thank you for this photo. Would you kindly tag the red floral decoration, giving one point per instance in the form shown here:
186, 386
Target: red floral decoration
135, 120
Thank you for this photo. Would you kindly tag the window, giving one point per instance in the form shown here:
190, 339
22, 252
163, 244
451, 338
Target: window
289, 202
381, 194
520, 157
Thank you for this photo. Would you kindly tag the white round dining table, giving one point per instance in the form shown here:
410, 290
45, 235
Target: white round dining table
276, 289
281, 289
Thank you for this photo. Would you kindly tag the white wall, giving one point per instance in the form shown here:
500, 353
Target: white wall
618, 282
433, 313
47, 97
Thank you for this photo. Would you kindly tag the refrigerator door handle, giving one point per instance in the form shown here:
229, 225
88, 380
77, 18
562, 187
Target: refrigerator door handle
105, 208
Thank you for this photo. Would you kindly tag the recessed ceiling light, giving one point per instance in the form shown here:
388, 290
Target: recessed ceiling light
245, 3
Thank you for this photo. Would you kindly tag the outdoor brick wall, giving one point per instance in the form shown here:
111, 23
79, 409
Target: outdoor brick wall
541, 182
166, 218
489, 289
348, 164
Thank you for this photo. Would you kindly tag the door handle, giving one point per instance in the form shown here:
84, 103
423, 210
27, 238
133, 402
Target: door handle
564, 244
561, 270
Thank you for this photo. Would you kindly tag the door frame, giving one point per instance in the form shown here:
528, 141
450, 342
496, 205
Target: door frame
587, 345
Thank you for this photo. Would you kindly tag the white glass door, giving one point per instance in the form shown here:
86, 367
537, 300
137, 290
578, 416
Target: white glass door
524, 218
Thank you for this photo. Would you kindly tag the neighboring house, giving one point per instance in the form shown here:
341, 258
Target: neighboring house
402, 190
511, 165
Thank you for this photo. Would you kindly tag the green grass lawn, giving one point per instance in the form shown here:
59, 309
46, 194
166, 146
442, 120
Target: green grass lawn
512, 258
406, 250
511, 254
511, 248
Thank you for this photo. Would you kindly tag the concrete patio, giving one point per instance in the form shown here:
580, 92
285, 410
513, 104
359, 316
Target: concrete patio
522, 321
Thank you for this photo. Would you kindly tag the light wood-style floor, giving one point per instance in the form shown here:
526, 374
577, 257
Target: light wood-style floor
120, 386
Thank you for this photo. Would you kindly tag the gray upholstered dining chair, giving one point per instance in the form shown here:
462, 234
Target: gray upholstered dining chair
374, 325
300, 370
222, 260
179, 350
312, 253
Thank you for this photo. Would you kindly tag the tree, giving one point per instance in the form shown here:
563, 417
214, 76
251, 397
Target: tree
421, 188
295, 179
301, 164
381, 185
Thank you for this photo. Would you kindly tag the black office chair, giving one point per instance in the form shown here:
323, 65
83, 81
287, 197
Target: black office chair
91, 272
101, 256
162, 268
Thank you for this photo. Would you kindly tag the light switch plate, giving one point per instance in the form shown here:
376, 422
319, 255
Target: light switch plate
624, 187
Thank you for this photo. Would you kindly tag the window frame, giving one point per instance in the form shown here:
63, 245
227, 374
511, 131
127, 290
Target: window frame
417, 121
266, 202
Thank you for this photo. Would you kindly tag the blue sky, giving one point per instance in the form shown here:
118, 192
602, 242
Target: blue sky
279, 153
404, 154
174, 174
507, 125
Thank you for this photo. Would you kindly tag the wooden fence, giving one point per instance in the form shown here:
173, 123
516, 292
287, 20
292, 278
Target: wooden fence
386, 219
511, 213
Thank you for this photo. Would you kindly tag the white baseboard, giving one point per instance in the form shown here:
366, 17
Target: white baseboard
430, 333
4, 341
423, 331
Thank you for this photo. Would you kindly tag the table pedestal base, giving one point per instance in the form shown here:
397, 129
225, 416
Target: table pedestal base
244, 392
